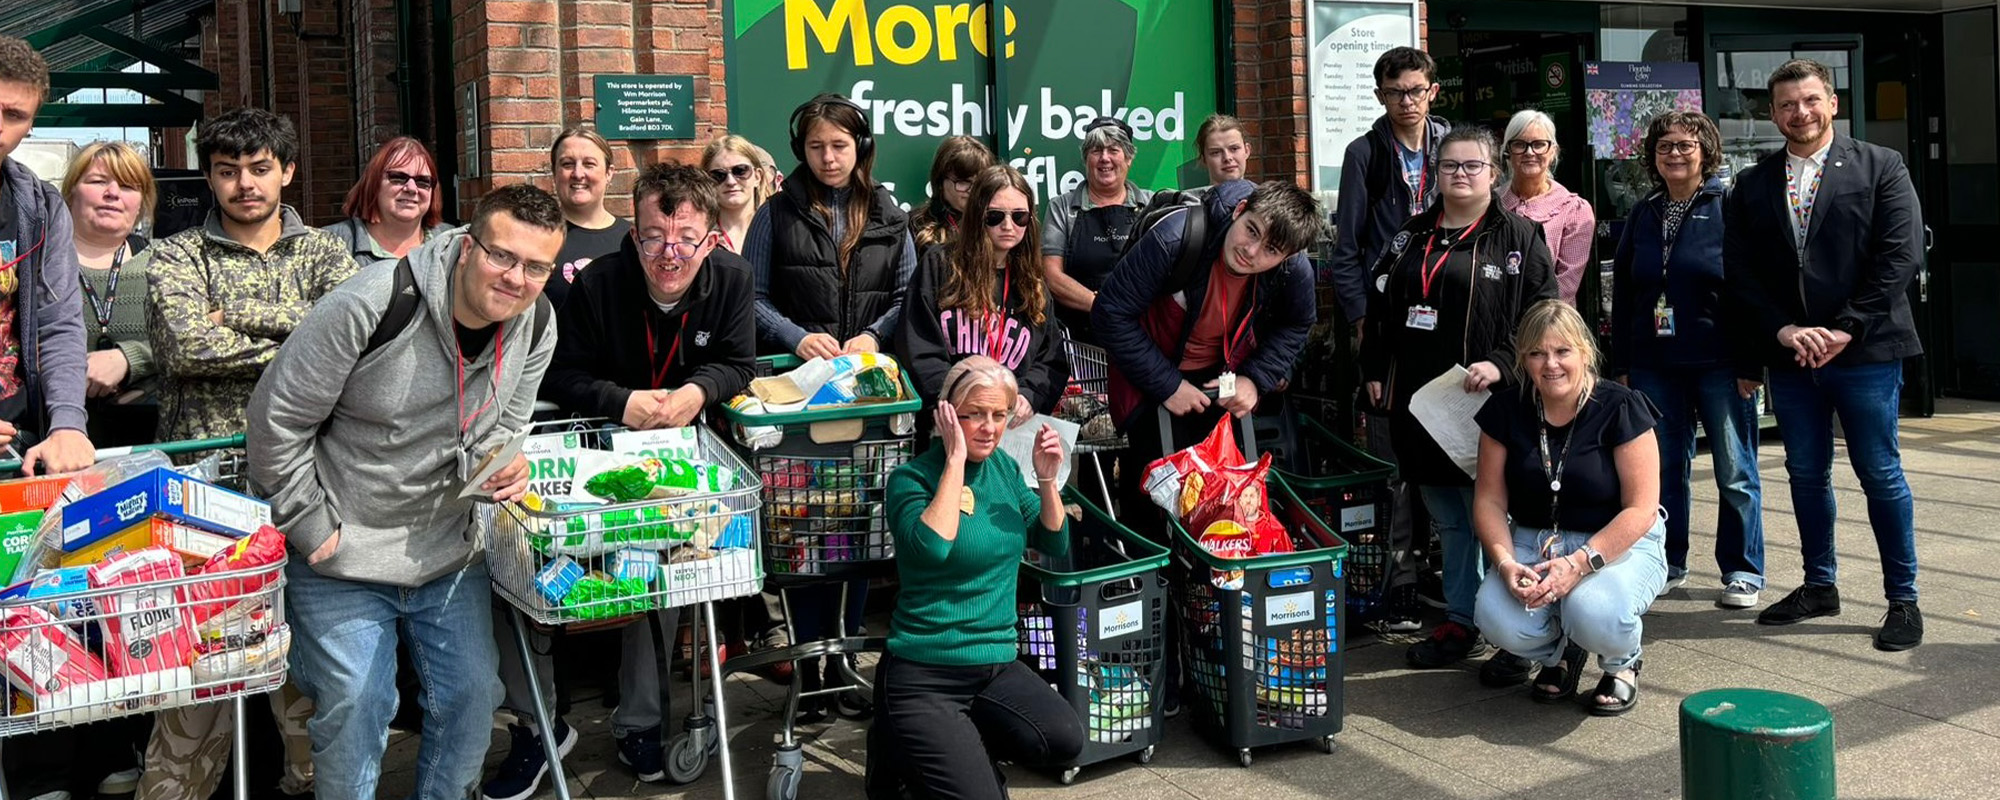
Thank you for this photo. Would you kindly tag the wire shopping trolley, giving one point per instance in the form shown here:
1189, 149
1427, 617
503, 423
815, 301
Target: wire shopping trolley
825, 476
690, 539
1086, 401
139, 630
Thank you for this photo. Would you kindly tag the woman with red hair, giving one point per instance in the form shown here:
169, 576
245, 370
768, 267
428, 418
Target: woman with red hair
395, 206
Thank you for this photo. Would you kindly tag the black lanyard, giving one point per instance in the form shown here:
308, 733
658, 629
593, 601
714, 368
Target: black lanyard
102, 309
1554, 470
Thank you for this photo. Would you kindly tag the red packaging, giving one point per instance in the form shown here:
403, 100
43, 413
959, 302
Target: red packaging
1237, 495
1174, 482
43, 655
254, 556
145, 628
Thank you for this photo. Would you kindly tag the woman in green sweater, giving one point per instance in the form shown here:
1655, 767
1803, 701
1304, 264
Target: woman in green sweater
950, 696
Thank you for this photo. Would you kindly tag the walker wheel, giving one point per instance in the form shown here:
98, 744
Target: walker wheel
687, 757
782, 785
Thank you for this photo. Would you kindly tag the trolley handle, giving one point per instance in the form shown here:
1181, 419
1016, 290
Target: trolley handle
182, 447
1246, 430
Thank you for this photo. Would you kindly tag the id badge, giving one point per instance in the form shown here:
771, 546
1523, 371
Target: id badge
1225, 385
1423, 318
1663, 320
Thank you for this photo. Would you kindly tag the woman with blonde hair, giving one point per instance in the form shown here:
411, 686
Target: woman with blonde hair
739, 184
1567, 508
959, 159
110, 191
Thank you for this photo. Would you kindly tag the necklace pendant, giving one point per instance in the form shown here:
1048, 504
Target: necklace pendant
1555, 486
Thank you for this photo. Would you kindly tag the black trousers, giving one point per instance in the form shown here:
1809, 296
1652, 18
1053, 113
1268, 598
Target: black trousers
939, 731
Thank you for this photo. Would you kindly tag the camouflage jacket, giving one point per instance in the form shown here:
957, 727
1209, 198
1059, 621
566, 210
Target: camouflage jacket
207, 371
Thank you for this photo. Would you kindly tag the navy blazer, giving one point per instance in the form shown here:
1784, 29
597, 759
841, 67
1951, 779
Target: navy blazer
1692, 282
1863, 247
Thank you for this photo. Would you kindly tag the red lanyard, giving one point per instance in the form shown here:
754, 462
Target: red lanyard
996, 325
1426, 269
660, 371
499, 356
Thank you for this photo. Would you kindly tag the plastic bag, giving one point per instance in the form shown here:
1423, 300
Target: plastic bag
1237, 495
1167, 478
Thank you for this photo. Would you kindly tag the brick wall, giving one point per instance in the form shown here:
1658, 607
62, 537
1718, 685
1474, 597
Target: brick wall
1272, 98
533, 63
303, 75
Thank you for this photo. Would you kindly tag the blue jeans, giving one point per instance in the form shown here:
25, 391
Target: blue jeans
344, 658
1464, 562
1602, 614
1866, 399
1683, 396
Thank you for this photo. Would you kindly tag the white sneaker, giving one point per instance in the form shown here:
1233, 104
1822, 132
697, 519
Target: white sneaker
1673, 582
120, 782
59, 794
1738, 594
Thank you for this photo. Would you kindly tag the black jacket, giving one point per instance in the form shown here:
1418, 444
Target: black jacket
1511, 270
1693, 284
601, 354
1864, 245
810, 288
932, 339
1374, 204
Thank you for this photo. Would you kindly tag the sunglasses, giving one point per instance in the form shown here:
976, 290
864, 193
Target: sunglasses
740, 172
995, 216
424, 182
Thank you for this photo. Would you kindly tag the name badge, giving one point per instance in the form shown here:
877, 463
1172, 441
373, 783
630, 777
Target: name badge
1225, 385
1663, 319
1423, 318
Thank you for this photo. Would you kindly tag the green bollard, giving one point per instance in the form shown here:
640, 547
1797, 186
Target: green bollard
1740, 744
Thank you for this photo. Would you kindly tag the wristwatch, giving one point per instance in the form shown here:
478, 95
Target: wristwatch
1595, 558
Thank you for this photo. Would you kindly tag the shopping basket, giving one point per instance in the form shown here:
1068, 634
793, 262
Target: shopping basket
825, 476
1348, 490
560, 564
233, 624
1093, 625
1264, 661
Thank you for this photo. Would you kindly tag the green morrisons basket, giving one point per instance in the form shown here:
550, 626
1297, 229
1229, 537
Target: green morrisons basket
826, 475
1093, 625
1264, 661
1348, 489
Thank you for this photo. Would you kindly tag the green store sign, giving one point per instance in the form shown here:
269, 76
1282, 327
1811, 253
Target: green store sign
923, 73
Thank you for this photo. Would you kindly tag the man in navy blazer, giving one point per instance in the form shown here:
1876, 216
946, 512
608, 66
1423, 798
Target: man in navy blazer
1822, 241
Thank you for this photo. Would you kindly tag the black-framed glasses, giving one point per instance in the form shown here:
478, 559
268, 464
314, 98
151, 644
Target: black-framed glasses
424, 182
1536, 146
656, 247
995, 216
1470, 169
740, 172
1684, 147
504, 262
1412, 96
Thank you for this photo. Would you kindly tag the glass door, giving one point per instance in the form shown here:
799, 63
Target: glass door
1741, 105
1963, 207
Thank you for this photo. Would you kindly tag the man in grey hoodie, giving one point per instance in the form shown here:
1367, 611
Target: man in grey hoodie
42, 353
363, 454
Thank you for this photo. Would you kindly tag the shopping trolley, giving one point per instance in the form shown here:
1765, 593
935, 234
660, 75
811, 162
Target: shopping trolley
234, 623
1348, 490
559, 564
1093, 625
1086, 401
825, 475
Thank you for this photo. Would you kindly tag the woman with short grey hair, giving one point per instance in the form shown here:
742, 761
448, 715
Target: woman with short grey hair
1085, 229
1567, 221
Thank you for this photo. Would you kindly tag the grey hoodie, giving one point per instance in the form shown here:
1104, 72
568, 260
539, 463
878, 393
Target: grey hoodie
53, 354
372, 449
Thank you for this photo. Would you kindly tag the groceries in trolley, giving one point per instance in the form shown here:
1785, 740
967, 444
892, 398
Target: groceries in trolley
818, 384
1221, 499
157, 589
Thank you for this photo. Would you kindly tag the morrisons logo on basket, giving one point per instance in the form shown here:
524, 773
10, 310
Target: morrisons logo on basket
1120, 620
1290, 609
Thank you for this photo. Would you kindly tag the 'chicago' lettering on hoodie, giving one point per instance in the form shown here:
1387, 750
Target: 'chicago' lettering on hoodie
966, 334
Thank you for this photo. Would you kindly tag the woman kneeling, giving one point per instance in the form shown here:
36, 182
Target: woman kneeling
950, 696
1575, 462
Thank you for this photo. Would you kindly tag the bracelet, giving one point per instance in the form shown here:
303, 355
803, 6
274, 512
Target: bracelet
1041, 480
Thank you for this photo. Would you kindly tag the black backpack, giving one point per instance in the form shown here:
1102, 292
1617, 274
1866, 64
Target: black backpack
1194, 231
404, 303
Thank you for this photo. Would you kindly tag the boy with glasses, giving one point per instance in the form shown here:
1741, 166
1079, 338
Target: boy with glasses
365, 433
650, 336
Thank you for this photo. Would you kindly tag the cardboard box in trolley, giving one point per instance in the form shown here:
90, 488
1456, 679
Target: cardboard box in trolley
165, 492
192, 544
146, 628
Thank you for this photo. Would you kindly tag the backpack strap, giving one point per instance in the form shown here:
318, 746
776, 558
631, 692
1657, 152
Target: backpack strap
1194, 233
403, 305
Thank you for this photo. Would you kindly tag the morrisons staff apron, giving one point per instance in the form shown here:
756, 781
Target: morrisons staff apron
1096, 239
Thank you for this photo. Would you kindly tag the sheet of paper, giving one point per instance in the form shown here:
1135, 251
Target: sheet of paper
1020, 443
1445, 409
495, 461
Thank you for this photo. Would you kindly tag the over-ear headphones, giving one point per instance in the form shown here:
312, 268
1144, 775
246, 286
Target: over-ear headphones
864, 141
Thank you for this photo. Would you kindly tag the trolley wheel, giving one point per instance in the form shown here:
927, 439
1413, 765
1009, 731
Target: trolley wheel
1243, 756
1068, 776
782, 785
1326, 744
687, 757
1146, 755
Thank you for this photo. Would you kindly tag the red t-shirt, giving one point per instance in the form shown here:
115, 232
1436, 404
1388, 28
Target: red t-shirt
1220, 307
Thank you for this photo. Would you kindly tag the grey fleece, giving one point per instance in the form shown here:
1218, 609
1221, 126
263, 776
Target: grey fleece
371, 449
353, 234
53, 354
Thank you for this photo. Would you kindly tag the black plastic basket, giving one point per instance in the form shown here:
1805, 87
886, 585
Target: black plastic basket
1264, 662
1093, 625
1348, 489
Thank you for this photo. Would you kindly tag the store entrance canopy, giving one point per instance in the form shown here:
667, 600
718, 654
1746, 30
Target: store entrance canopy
90, 43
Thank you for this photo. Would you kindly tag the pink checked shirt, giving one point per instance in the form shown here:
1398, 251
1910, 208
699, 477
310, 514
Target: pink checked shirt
1568, 222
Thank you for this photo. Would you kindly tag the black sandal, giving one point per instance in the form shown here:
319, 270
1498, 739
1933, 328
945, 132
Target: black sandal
1559, 677
1616, 688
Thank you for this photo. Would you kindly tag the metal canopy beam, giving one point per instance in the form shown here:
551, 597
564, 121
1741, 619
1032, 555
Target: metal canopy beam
75, 26
78, 115
177, 73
